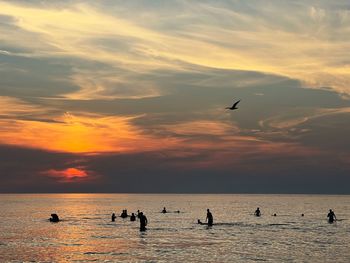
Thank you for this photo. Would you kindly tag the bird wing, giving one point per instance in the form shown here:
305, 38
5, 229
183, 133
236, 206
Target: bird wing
235, 104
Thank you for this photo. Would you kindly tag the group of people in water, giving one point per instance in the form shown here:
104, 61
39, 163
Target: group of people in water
124, 214
140, 216
208, 221
331, 215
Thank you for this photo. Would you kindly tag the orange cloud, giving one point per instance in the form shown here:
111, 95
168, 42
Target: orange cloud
68, 174
21, 125
81, 134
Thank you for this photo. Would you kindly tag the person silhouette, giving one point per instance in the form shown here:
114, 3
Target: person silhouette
331, 216
113, 217
257, 212
143, 222
54, 218
132, 217
138, 214
164, 211
209, 218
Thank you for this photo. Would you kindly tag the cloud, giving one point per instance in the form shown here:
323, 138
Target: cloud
4, 52
68, 175
200, 127
222, 35
80, 134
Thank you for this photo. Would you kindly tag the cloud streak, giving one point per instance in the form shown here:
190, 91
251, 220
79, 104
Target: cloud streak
226, 35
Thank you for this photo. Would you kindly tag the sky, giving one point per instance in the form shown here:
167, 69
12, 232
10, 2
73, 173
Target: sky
130, 96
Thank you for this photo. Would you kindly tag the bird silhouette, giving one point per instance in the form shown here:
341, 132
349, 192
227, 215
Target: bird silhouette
233, 106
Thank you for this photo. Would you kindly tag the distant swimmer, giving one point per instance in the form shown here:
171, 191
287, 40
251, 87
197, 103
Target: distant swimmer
331, 216
132, 217
143, 222
164, 211
54, 218
274, 215
200, 222
257, 212
209, 218
302, 214
113, 217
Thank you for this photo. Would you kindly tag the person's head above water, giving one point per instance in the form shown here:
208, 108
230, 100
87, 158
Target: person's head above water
54, 218
208, 210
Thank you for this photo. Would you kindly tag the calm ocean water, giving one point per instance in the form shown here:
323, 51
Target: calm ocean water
86, 232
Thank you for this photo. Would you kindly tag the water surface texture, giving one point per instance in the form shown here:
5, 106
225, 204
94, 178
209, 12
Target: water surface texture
86, 232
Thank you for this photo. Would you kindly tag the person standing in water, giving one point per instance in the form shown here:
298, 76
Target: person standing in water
164, 211
331, 216
132, 217
257, 212
209, 218
113, 217
143, 222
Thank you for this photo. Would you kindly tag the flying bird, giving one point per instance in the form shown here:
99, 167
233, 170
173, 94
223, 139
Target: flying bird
233, 106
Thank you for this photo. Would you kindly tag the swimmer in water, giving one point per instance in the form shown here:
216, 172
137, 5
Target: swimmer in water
331, 216
54, 218
257, 212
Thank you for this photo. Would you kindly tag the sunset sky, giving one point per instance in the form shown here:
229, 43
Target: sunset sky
130, 96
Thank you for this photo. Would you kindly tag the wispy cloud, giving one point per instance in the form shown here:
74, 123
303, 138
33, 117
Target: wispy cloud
302, 45
290, 120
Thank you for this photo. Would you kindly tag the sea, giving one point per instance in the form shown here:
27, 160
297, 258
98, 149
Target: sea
86, 233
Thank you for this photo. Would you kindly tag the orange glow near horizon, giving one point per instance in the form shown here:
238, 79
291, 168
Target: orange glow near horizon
68, 174
81, 134
94, 134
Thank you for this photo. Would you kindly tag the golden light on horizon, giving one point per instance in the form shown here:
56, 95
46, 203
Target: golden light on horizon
86, 134
71, 134
68, 175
